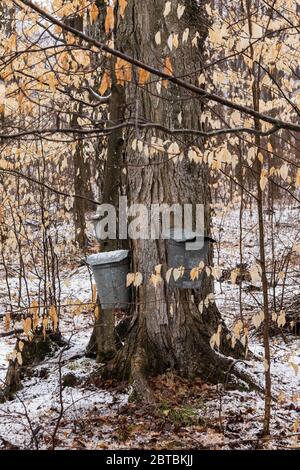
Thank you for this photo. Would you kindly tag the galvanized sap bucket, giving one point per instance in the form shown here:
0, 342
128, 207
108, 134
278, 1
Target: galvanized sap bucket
110, 270
179, 255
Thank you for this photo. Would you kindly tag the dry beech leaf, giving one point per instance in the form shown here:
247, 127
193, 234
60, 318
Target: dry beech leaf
123, 71
167, 9
185, 35
138, 279
180, 11
27, 326
94, 293
94, 12
122, 5
54, 317
19, 358
7, 322
97, 312
178, 273
143, 76
168, 275
297, 182
105, 83
129, 279
168, 70
110, 19
158, 38
255, 273
158, 269
155, 279
194, 274
45, 326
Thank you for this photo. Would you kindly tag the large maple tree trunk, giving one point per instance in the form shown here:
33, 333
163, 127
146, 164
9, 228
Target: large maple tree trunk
167, 328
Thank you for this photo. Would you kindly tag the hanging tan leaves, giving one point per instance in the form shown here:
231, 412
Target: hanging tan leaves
105, 83
19, 359
1, 207
129, 279
178, 273
258, 319
109, 19
51, 79
168, 70
284, 171
2, 97
168, 275
122, 6
94, 293
34, 309
294, 366
54, 317
238, 328
185, 35
233, 276
134, 278
138, 279
215, 340
263, 179
45, 326
158, 38
94, 12
216, 272
255, 273
7, 322
167, 9
27, 326
180, 11
297, 182
123, 71
97, 312
156, 278
281, 320
194, 274
143, 76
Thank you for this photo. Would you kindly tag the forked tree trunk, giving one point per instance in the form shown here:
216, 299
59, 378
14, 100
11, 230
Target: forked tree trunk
167, 330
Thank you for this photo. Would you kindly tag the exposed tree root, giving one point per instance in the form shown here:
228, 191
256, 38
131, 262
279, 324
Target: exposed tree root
137, 363
141, 388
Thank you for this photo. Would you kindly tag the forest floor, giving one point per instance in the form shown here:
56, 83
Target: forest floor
93, 415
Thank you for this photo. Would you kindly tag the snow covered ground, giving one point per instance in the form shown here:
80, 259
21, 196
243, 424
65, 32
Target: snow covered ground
93, 417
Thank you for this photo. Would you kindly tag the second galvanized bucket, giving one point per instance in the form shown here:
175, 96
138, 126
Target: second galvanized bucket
110, 271
180, 256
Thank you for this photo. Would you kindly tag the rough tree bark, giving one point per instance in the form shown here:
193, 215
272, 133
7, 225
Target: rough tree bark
167, 329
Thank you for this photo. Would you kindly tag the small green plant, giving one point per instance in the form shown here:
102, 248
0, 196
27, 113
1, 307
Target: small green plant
180, 415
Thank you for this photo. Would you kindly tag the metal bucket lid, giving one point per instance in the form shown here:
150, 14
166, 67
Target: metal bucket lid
107, 257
